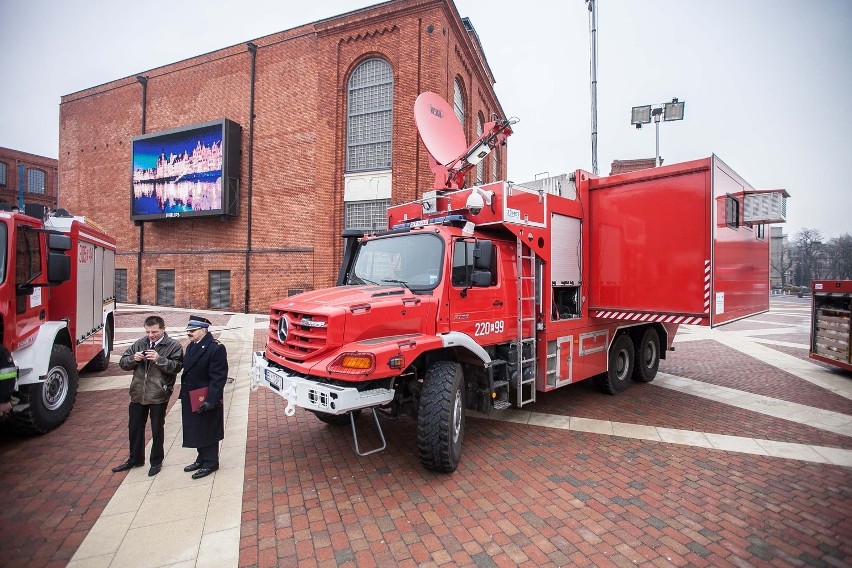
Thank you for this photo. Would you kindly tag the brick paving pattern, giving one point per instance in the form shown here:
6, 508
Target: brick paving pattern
741, 372
526, 496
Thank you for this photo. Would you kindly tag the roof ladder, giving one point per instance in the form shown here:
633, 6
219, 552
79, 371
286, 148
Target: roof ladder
525, 348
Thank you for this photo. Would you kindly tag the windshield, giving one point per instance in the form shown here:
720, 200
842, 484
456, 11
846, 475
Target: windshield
413, 261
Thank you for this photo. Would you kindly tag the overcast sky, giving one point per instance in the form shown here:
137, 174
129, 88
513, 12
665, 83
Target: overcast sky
765, 83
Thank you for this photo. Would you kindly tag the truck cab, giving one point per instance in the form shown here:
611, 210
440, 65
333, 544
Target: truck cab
45, 269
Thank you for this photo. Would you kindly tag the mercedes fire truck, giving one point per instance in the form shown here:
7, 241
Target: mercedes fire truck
480, 298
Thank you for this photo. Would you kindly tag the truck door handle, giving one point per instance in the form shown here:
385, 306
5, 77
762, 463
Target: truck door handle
497, 303
41, 315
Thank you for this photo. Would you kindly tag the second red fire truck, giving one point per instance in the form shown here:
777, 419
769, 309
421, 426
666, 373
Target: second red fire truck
479, 298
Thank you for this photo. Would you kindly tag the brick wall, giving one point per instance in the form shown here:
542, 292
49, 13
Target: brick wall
298, 152
11, 159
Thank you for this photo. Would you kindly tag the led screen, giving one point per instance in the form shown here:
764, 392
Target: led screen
185, 172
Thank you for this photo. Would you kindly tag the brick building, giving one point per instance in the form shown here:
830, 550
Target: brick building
624, 166
332, 143
40, 178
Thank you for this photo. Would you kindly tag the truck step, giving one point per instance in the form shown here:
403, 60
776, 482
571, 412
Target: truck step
501, 404
500, 384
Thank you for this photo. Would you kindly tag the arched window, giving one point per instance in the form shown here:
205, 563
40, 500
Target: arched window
369, 123
35, 181
480, 167
458, 101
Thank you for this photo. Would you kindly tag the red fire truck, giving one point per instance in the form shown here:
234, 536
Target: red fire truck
479, 298
831, 333
57, 300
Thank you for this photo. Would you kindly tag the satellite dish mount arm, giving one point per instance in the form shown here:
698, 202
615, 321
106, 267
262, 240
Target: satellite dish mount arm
451, 176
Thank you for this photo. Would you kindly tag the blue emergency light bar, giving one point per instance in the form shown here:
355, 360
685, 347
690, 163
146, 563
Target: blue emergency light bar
445, 220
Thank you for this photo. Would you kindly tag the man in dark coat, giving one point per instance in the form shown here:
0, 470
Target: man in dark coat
155, 360
205, 364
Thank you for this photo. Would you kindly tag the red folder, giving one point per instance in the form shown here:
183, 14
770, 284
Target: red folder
196, 397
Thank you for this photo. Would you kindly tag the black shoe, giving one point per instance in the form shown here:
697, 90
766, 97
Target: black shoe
193, 466
204, 472
125, 466
155, 469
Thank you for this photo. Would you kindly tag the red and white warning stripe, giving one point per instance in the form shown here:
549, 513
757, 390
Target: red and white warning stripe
707, 286
661, 318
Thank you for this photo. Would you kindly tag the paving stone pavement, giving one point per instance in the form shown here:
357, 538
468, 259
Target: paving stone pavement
739, 454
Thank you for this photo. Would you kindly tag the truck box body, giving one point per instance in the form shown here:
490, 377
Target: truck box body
661, 245
87, 298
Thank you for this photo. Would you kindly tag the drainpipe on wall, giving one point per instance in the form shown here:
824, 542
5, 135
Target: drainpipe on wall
253, 51
144, 82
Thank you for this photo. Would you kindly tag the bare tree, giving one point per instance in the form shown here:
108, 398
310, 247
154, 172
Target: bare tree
839, 254
809, 250
783, 261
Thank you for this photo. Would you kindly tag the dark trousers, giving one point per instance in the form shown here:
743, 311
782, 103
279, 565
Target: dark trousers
136, 429
208, 456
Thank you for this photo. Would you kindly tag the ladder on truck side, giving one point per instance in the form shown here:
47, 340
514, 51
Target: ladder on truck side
525, 345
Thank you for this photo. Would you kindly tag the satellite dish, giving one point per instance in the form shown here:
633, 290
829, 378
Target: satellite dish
439, 128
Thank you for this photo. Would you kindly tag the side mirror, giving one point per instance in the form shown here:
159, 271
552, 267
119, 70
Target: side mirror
480, 278
483, 252
56, 241
58, 267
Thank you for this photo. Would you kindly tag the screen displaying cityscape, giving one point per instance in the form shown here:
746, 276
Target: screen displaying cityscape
178, 173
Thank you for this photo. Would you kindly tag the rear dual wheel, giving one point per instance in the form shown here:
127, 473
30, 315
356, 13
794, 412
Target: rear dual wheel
647, 356
620, 366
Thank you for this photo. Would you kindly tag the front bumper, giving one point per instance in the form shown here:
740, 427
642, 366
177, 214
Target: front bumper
313, 395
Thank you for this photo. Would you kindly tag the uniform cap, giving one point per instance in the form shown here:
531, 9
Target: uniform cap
197, 322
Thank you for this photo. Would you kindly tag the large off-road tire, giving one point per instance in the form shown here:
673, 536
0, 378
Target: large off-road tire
101, 361
440, 419
647, 356
620, 367
337, 419
51, 401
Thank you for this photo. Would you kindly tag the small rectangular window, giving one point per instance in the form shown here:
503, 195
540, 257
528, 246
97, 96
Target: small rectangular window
732, 212
220, 289
35, 181
165, 288
3, 174
121, 285
294, 291
367, 215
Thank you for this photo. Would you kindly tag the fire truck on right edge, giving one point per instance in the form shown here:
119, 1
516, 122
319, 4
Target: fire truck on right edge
831, 332
479, 298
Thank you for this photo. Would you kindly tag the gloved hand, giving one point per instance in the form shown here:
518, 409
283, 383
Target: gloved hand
204, 407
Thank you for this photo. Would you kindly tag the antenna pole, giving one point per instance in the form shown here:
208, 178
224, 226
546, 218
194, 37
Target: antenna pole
593, 29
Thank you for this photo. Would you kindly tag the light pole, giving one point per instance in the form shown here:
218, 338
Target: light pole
668, 111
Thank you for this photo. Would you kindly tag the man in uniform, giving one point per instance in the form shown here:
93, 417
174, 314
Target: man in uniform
205, 365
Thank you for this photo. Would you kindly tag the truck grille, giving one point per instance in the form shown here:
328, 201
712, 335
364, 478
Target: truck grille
307, 335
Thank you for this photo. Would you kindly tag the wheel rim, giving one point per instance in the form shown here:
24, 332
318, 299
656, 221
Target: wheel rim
55, 388
650, 354
457, 417
621, 365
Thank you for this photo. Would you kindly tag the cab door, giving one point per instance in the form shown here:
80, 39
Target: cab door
479, 305
30, 304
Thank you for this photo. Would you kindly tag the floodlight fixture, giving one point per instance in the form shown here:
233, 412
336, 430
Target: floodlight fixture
674, 110
665, 111
640, 115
